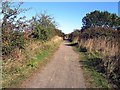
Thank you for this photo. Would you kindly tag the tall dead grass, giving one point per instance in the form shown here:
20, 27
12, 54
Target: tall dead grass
109, 50
19, 58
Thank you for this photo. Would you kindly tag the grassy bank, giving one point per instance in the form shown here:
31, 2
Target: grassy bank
34, 59
89, 61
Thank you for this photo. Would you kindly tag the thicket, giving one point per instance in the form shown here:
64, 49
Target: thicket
25, 43
44, 27
74, 35
100, 34
17, 31
105, 42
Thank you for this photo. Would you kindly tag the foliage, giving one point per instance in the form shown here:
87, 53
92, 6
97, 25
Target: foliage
100, 34
45, 27
20, 51
74, 34
12, 36
91, 63
17, 30
33, 58
105, 41
99, 18
59, 32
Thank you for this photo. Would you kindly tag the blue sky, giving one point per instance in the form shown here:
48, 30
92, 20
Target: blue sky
68, 15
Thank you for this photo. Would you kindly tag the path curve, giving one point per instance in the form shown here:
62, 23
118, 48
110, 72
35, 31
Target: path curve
63, 71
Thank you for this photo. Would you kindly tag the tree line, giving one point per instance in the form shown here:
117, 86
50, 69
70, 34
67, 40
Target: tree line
101, 18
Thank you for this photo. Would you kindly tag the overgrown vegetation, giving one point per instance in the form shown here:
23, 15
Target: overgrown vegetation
25, 42
104, 41
100, 34
17, 30
90, 62
34, 57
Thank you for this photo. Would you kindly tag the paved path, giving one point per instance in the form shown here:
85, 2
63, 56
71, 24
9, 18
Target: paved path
63, 71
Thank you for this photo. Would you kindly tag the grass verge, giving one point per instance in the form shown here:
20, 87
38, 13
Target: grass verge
94, 78
16, 75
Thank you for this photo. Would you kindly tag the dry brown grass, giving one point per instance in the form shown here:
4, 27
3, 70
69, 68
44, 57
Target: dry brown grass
109, 53
106, 47
20, 58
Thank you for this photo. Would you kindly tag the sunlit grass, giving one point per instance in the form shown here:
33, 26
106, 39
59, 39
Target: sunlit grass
13, 76
92, 76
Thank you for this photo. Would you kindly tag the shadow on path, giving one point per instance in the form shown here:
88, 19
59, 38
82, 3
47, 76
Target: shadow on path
73, 44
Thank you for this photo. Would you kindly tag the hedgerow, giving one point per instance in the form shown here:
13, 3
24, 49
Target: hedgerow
16, 31
100, 34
